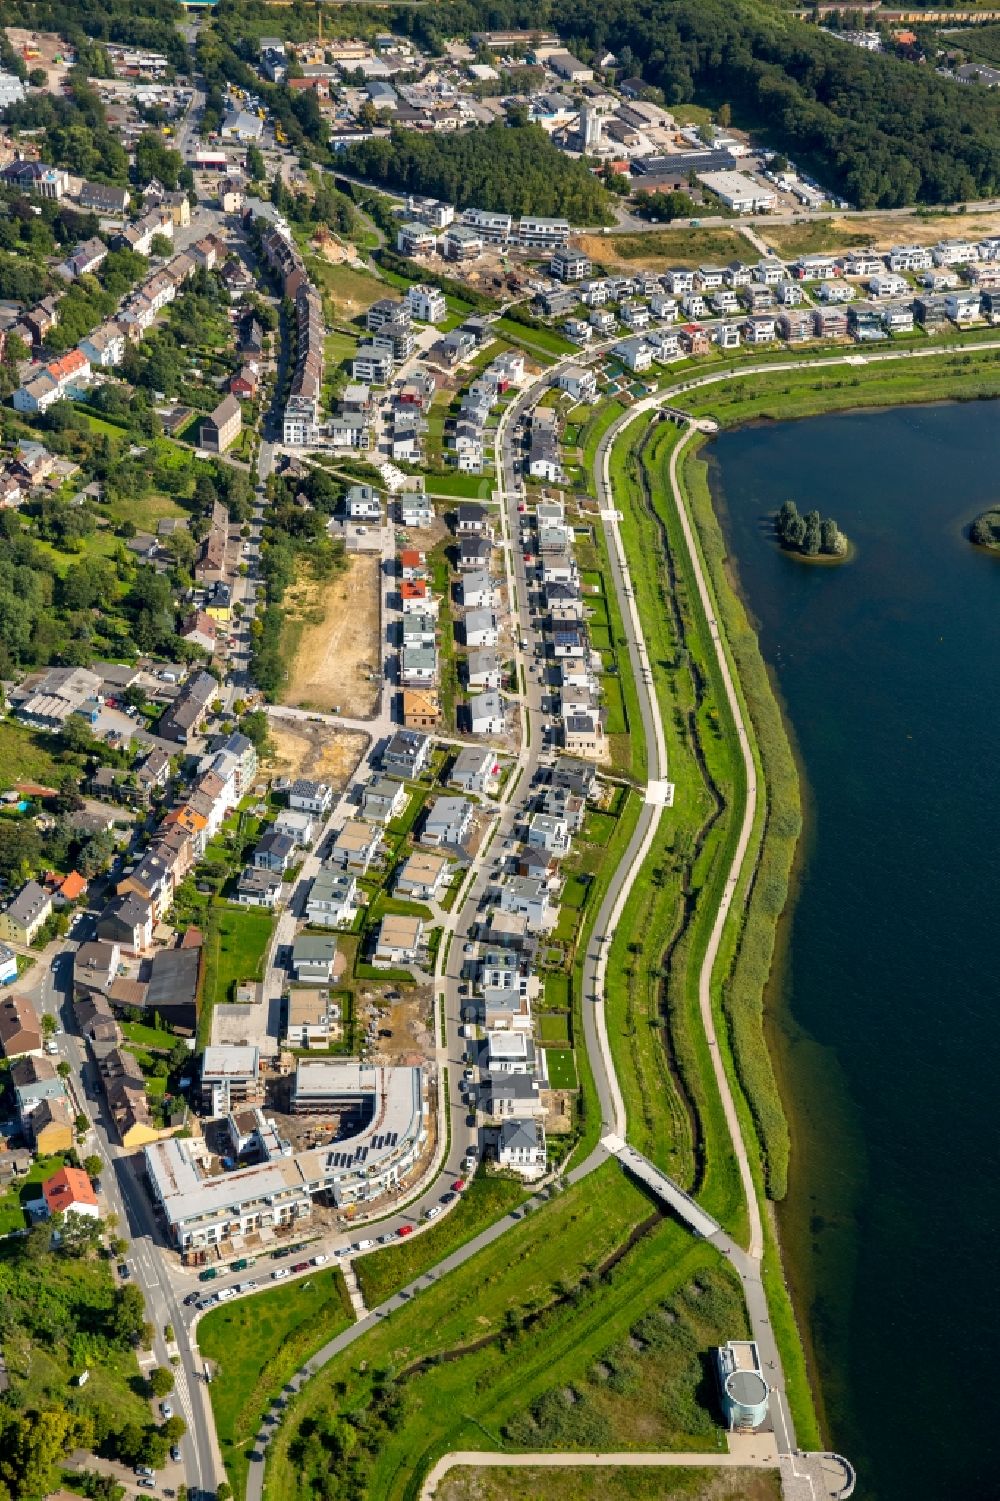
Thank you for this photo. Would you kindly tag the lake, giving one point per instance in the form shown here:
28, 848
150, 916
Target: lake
886, 1025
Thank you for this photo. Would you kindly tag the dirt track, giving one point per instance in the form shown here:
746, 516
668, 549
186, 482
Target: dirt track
337, 621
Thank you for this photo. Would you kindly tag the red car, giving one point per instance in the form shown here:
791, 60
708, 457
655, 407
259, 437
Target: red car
458, 1185
301, 1266
405, 1230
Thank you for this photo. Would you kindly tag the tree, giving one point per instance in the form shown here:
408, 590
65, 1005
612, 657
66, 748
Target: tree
255, 163
38, 78
161, 1381
224, 1491
92, 1165
63, 1069
82, 1124
128, 1315
160, 245
49, 1024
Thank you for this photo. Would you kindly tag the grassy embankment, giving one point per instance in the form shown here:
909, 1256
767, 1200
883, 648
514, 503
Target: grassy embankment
384, 1272
255, 1345
674, 1110
604, 1483
662, 1056
582, 1326
747, 956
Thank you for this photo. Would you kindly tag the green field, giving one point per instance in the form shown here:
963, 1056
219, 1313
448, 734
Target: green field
26, 756
604, 1483
679, 247
461, 486
544, 339
236, 940
148, 1037
553, 1026
255, 1344
562, 1069
487, 1199
556, 1336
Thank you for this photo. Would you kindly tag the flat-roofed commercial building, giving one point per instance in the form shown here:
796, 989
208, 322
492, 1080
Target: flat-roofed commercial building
381, 1126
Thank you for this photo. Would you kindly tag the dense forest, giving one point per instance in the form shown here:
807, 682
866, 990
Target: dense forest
512, 169
811, 535
881, 131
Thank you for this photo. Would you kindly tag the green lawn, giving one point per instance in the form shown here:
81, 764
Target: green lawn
562, 1069
541, 338
148, 1037
461, 486
574, 893
553, 1026
487, 1199
236, 940
487, 1355
255, 1344
12, 1202
556, 991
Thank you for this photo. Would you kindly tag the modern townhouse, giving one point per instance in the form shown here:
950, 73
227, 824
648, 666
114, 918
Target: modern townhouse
333, 898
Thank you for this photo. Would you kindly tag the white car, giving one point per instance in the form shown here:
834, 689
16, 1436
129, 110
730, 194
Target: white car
433, 1212
319, 1260
279, 1274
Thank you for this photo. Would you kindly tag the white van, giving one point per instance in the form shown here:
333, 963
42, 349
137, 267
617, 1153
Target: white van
281, 1272
225, 1293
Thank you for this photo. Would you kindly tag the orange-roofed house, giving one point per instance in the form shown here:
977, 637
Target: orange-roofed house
73, 887
70, 1191
71, 369
411, 563
413, 591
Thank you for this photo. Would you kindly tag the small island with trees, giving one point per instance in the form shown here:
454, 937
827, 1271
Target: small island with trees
810, 536
985, 530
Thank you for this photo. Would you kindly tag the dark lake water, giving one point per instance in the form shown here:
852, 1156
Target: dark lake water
889, 668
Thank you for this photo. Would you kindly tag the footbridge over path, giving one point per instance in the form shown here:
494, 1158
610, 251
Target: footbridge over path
664, 1188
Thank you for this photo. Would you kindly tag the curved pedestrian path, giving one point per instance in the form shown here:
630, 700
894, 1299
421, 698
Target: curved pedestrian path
796, 1467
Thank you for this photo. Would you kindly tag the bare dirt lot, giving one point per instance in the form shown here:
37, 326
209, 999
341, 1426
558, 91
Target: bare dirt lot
404, 1030
335, 654
316, 751
42, 49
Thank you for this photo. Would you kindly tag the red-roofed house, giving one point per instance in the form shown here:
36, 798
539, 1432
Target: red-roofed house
70, 1191
72, 887
412, 563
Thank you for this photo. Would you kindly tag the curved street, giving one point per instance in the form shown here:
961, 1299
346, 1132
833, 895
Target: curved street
800, 1473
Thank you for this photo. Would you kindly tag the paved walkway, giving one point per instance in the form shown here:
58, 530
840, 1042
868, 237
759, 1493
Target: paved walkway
815, 1476
620, 1459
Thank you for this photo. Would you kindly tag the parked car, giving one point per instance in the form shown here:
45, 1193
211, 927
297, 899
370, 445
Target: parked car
123, 1271
458, 1185
433, 1212
276, 1276
301, 1266
208, 1275
166, 1409
319, 1260
405, 1230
